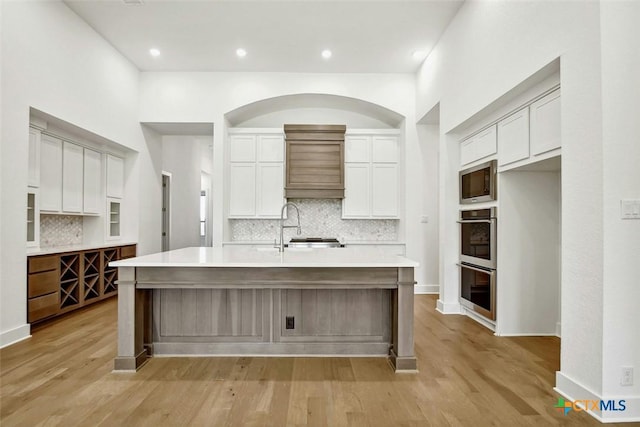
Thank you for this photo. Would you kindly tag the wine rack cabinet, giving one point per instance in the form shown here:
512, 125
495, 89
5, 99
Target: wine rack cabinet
63, 282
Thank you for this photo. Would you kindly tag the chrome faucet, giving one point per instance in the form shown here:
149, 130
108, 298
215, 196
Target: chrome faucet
282, 226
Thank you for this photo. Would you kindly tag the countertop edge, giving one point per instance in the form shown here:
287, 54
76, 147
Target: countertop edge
74, 248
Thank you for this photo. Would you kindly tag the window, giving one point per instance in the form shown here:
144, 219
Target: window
203, 217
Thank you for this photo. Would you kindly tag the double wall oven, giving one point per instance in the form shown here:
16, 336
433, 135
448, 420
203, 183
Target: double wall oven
478, 239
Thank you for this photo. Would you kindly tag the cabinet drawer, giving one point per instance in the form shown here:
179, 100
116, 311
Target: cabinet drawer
127, 251
43, 283
43, 306
43, 263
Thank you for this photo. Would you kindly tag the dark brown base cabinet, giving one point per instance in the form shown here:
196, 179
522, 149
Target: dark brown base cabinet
62, 282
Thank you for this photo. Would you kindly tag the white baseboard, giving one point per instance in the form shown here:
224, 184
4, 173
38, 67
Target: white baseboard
448, 308
559, 330
426, 289
528, 334
572, 390
15, 335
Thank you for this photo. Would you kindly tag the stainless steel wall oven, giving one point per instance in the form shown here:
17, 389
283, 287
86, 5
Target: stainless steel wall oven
478, 289
478, 263
478, 237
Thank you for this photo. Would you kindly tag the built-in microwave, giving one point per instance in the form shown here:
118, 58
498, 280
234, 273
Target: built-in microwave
478, 184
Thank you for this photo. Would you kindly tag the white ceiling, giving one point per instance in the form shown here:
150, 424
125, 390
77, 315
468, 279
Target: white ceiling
279, 36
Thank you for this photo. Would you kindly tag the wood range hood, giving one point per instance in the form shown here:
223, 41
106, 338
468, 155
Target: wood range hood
314, 161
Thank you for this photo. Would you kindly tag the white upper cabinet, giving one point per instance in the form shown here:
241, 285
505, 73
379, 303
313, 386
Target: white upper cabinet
513, 137
384, 195
92, 192
115, 176
34, 158
256, 173
270, 148
384, 149
371, 176
242, 192
479, 146
72, 177
270, 189
242, 148
357, 193
545, 124
357, 149
50, 174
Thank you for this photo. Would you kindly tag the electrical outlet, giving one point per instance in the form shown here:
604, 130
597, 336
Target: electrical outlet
627, 376
290, 322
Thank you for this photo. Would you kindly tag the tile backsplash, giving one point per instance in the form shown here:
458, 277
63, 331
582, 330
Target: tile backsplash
60, 230
318, 218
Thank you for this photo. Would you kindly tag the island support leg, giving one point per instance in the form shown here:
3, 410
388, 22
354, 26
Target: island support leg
131, 314
402, 355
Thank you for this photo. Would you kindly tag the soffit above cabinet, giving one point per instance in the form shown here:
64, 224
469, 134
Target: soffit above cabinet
314, 161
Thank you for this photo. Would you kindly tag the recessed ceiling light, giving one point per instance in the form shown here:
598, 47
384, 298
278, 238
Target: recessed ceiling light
326, 54
154, 52
241, 53
419, 55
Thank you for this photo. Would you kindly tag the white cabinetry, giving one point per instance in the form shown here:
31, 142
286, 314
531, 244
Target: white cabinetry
33, 217
357, 200
115, 176
513, 137
371, 177
72, 177
256, 173
269, 190
242, 192
531, 134
545, 124
384, 194
34, 158
50, 174
92, 191
481, 145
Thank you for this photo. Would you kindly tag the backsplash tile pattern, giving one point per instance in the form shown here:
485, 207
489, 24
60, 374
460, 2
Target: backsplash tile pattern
318, 218
60, 230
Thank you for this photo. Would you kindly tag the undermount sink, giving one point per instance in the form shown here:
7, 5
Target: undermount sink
270, 249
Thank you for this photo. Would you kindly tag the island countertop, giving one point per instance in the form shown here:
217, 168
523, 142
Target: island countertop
230, 256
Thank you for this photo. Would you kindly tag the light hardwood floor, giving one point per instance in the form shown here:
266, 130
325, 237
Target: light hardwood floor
62, 376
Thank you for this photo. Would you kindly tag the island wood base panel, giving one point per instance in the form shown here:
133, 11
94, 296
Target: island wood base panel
198, 312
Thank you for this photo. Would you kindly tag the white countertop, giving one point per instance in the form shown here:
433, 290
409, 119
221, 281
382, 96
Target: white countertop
74, 248
233, 256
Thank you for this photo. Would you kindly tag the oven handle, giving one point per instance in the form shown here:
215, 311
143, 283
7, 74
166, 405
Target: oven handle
480, 270
468, 221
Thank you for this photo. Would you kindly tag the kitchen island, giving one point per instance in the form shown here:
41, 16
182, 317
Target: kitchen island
258, 301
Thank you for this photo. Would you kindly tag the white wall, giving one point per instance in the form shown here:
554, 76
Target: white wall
181, 157
53, 61
621, 178
429, 137
489, 48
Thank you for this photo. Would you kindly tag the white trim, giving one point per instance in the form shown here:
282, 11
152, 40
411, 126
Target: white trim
426, 289
239, 131
15, 335
559, 329
448, 308
349, 132
572, 390
528, 334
